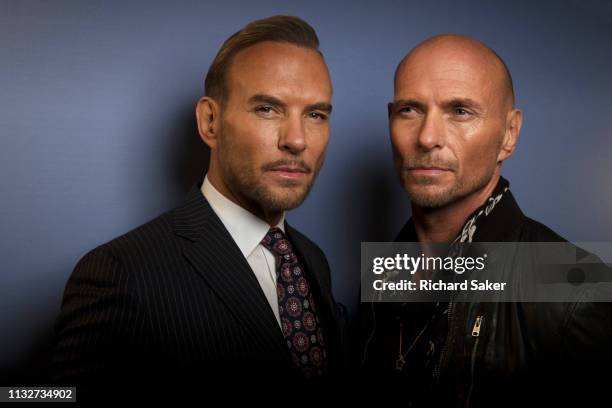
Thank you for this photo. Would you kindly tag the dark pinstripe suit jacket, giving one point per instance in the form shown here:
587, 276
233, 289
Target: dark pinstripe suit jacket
176, 301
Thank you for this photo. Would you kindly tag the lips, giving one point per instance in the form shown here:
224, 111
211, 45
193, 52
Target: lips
428, 170
292, 172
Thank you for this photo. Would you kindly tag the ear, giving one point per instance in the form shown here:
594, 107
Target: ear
208, 116
514, 121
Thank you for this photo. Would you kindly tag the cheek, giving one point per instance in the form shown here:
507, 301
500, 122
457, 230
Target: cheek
319, 149
318, 139
478, 155
401, 137
249, 140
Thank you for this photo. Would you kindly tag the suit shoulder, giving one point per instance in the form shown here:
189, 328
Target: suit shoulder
99, 264
158, 228
144, 240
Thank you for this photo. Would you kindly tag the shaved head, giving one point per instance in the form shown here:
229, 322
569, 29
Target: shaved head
465, 49
452, 120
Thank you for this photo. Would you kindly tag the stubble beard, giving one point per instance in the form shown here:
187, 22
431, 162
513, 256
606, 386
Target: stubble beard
423, 192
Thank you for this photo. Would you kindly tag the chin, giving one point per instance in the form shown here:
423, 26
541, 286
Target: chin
430, 196
427, 189
290, 184
284, 203
283, 198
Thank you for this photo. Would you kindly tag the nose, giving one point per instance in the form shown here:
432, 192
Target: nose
293, 135
431, 134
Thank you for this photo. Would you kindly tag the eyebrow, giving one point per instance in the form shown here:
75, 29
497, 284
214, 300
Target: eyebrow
466, 102
410, 102
263, 98
451, 103
321, 106
271, 100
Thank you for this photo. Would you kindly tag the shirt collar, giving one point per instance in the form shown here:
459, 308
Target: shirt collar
246, 229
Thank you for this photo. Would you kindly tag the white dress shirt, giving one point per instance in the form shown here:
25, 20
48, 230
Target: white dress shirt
248, 231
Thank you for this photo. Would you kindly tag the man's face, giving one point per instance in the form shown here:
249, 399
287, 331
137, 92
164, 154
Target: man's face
447, 123
274, 124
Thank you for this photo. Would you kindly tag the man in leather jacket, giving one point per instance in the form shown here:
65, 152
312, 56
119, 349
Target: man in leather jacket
453, 122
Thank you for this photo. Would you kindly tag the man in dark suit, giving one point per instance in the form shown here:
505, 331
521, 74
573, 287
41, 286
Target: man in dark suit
221, 289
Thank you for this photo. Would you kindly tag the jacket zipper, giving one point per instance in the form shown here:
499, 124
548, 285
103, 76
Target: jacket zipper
476, 328
476, 335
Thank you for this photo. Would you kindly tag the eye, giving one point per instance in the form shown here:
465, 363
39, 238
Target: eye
317, 116
264, 109
408, 111
461, 112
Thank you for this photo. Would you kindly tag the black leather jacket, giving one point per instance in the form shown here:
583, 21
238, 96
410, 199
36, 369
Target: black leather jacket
493, 353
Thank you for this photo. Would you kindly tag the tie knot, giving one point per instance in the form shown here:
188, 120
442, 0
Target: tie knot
276, 242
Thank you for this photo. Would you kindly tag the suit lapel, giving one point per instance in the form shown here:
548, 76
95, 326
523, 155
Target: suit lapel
218, 260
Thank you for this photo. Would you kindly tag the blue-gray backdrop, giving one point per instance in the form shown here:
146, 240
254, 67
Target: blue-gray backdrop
98, 133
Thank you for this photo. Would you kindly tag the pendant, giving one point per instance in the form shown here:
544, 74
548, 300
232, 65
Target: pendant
399, 363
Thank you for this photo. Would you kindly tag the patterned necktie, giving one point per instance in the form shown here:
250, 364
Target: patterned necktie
299, 321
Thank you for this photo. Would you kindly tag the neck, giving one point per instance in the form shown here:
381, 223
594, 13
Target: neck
269, 216
444, 223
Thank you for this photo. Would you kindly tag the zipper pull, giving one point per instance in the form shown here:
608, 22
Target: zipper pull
476, 329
